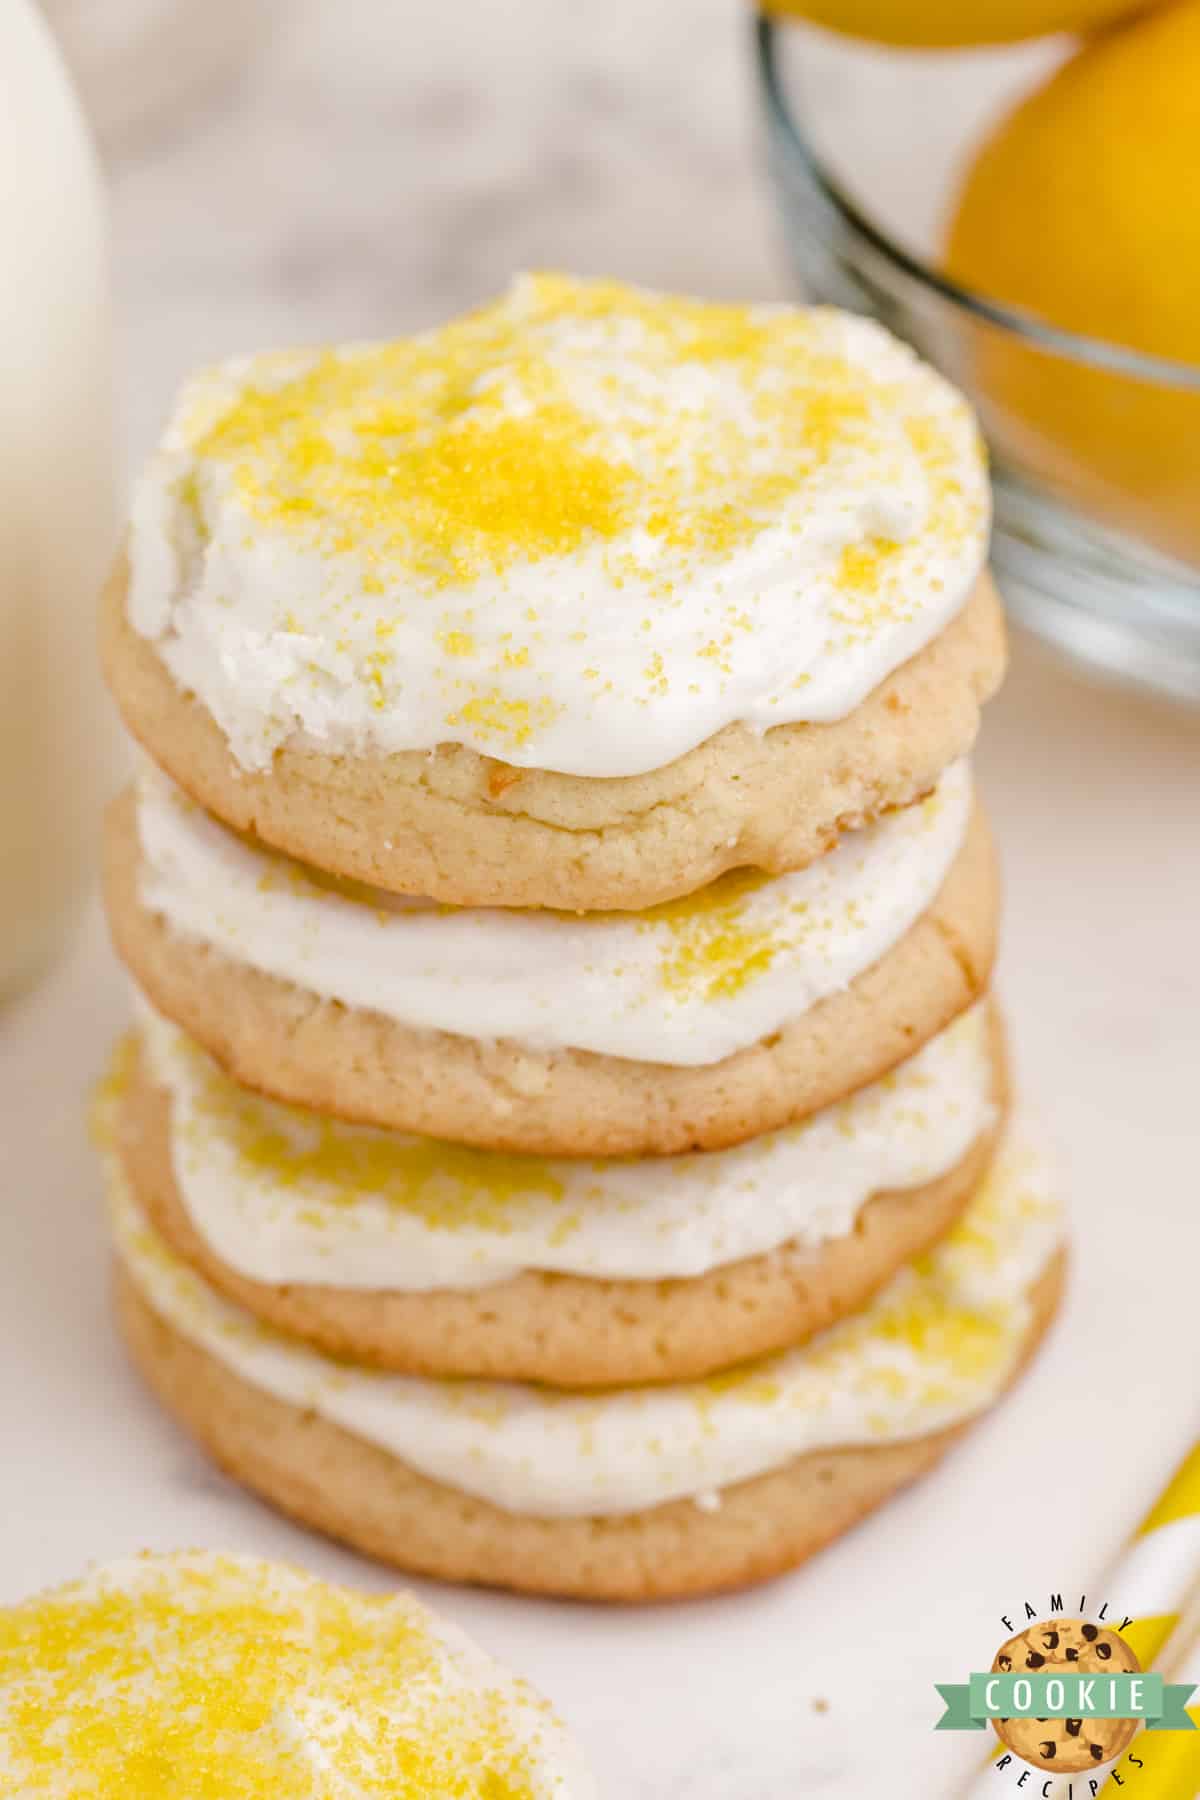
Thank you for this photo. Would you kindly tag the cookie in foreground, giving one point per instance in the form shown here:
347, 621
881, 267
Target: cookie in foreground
207, 1672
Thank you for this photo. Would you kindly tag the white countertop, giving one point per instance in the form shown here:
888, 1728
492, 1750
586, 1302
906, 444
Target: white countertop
382, 163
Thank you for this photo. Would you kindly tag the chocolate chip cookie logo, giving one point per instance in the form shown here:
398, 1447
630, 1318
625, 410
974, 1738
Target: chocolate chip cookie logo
1075, 1646
1065, 1695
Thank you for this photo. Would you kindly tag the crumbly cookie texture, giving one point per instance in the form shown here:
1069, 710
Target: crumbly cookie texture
562, 1329
1066, 1746
361, 1066
340, 1484
457, 826
207, 1673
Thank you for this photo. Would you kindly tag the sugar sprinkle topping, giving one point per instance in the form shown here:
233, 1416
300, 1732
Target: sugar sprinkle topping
577, 498
224, 1678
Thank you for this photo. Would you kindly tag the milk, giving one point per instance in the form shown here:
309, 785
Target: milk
56, 495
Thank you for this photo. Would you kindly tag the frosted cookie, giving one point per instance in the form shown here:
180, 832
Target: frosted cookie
579, 601
429, 1258
630, 1494
691, 1025
209, 1673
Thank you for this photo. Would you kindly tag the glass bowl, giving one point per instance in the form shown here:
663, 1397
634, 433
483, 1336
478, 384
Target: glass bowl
1095, 448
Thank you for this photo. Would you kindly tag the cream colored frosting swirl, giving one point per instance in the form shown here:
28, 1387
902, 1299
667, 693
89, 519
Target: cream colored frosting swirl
934, 1348
209, 1673
581, 529
284, 1195
686, 983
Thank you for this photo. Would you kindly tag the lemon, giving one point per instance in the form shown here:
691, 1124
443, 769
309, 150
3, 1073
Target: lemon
1084, 208
1085, 204
947, 24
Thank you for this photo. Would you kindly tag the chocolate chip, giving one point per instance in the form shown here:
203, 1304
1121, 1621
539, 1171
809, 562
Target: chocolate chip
1091, 1633
1104, 1651
1097, 1751
1050, 1640
1034, 1660
1073, 1726
1072, 1654
1005, 1663
1048, 1750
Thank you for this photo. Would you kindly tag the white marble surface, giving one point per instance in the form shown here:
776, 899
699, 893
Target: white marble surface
375, 165
381, 163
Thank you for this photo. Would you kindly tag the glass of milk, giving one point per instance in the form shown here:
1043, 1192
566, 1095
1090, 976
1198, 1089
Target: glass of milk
56, 497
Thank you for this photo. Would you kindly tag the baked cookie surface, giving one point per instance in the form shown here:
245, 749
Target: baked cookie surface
456, 826
382, 1255
358, 1064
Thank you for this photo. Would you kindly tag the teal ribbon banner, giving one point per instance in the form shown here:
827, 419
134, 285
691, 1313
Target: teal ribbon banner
1047, 1694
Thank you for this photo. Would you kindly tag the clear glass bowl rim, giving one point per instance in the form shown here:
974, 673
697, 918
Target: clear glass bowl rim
1094, 352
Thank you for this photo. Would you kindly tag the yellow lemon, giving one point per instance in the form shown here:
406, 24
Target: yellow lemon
1084, 209
947, 24
1085, 204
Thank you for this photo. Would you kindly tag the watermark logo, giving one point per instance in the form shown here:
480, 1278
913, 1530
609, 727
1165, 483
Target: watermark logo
1065, 1695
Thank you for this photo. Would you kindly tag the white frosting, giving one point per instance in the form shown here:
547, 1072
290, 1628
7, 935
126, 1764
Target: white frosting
934, 1348
204, 1671
582, 529
286, 1196
686, 983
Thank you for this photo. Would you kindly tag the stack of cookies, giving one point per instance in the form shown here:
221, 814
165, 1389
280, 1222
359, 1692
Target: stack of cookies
562, 1145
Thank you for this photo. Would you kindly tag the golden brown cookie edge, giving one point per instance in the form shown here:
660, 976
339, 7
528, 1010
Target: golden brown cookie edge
352, 1491
359, 1066
469, 831
566, 1330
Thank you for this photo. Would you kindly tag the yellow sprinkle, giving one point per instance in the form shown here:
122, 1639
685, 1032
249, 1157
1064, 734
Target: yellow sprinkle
449, 1187
862, 565
111, 1089
457, 643
484, 446
656, 674
493, 715
714, 951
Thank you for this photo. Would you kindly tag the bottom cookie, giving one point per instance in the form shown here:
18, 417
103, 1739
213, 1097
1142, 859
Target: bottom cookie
331, 1479
207, 1673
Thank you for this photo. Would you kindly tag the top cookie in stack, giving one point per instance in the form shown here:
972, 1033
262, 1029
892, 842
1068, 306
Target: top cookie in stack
574, 604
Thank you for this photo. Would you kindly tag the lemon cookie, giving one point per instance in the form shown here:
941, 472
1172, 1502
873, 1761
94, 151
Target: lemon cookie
631, 1494
577, 602
691, 1025
428, 1258
207, 1672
